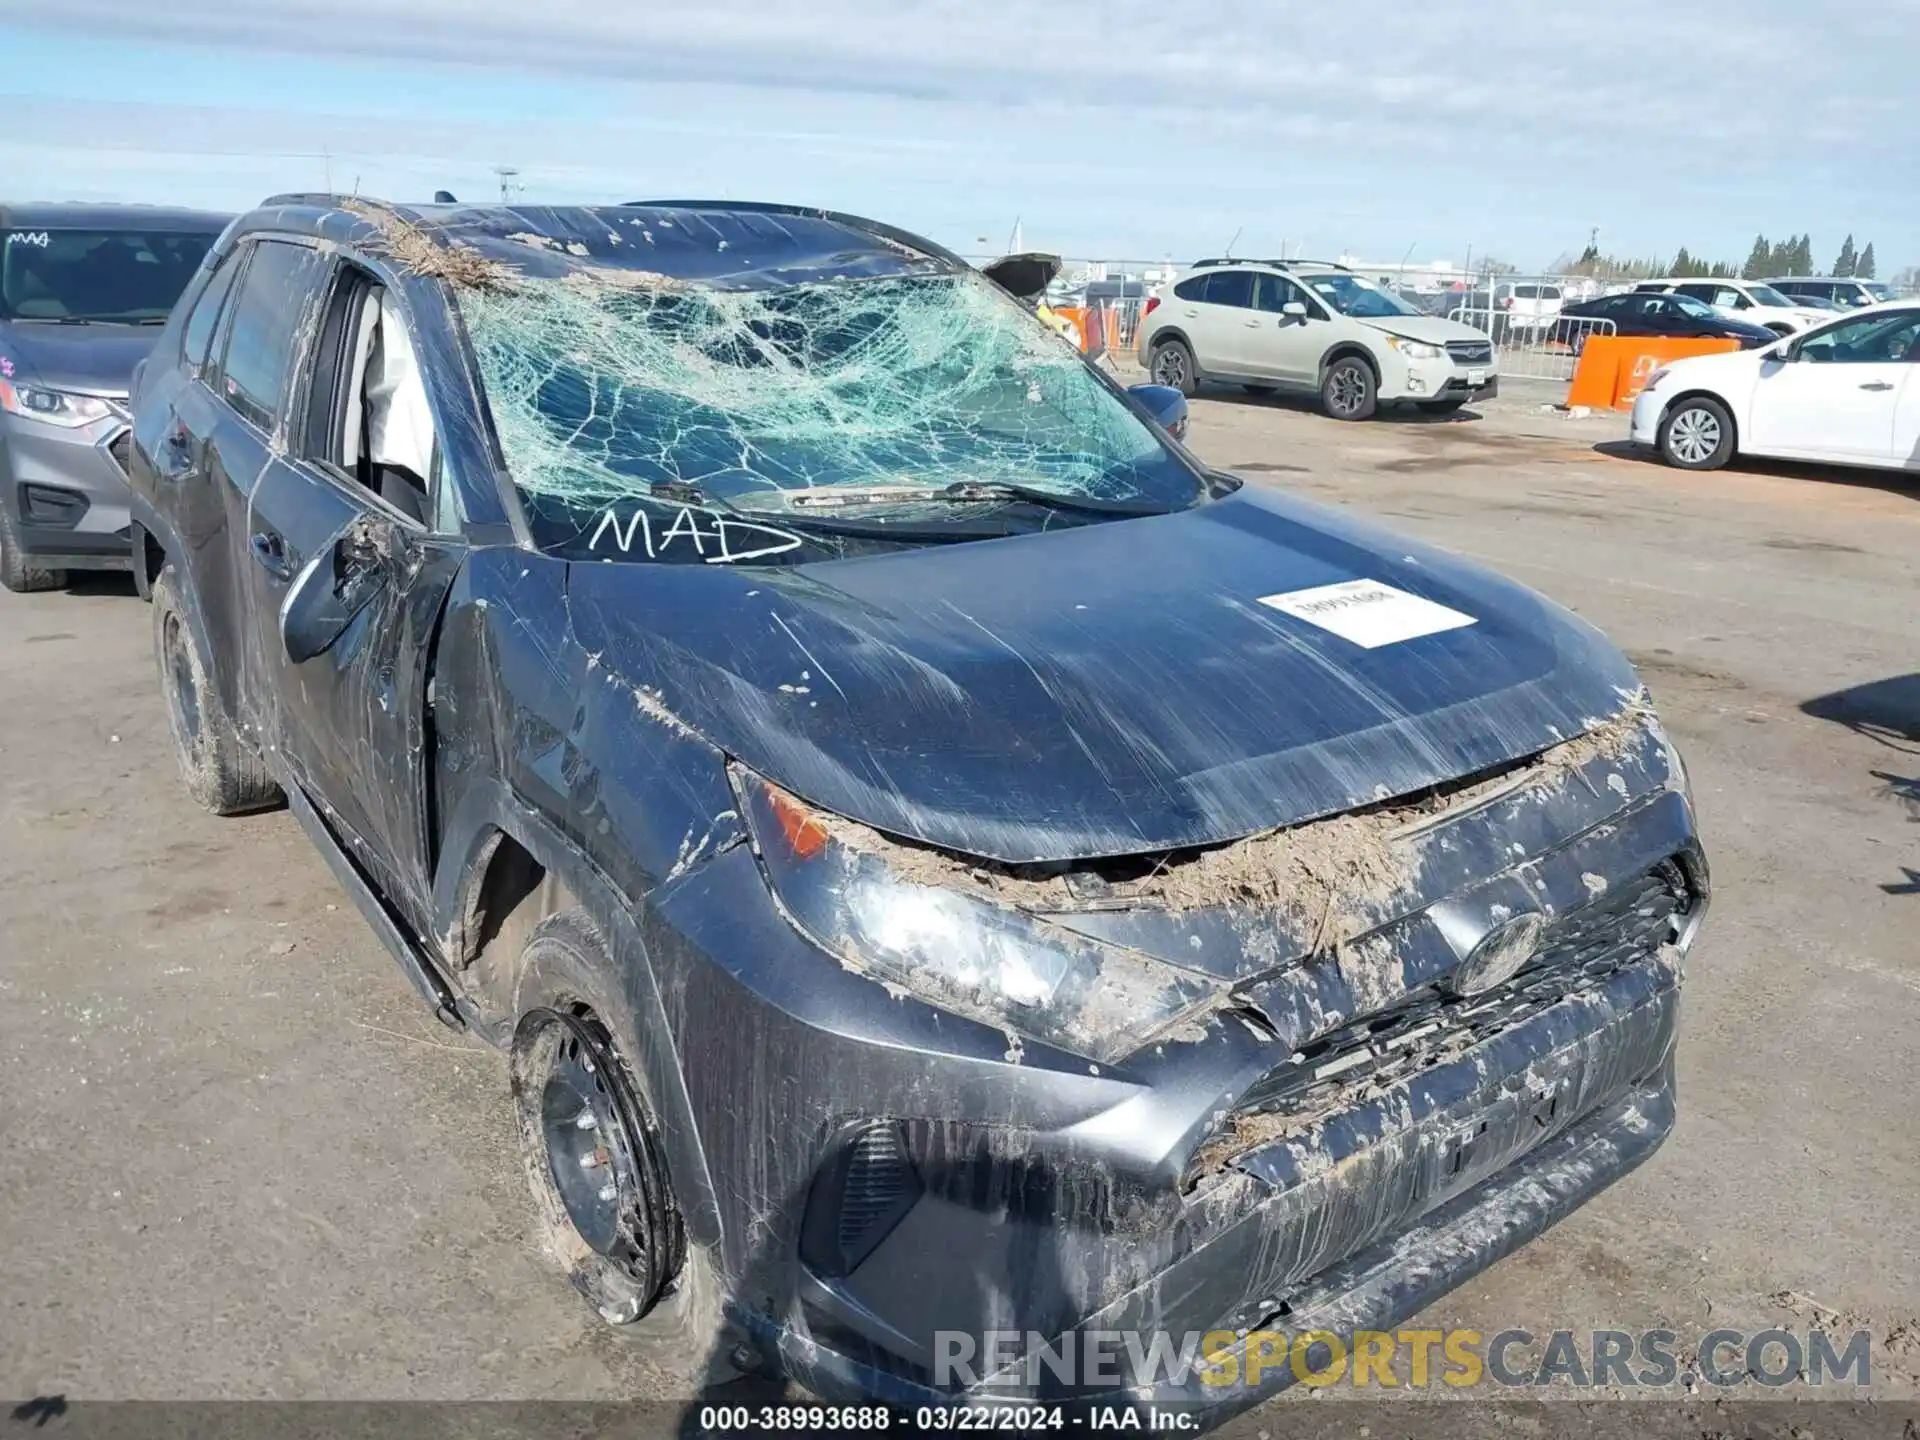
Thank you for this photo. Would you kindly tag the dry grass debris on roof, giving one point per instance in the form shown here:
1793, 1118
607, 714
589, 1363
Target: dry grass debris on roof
416, 249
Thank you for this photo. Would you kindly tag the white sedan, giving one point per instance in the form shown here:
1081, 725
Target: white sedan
1847, 392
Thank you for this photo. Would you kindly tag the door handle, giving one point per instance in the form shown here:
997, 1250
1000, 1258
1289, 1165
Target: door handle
1876, 385
1253, 324
271, 551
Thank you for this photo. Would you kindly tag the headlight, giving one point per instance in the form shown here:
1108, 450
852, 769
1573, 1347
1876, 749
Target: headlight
1654, 380
55, 407
1415, 349
965, 954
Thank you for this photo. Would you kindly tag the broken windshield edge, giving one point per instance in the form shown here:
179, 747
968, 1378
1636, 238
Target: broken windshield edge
613, 400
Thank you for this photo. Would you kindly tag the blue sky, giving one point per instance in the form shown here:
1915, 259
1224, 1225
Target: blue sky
1128, 129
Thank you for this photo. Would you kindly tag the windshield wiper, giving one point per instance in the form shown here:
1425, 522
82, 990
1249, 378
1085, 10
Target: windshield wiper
960, 492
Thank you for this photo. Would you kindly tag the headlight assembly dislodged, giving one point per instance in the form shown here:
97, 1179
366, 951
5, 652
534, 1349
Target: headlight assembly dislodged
987, 961
54, 407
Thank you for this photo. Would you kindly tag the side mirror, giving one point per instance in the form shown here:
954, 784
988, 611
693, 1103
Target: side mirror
334, 587
1167, 406
1294, 310
1786, 352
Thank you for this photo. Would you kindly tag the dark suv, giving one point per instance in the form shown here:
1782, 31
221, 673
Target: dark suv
84, 290
940, 861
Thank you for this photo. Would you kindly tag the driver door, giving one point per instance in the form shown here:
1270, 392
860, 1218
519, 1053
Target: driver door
349, 580
1840, 398
1289, 348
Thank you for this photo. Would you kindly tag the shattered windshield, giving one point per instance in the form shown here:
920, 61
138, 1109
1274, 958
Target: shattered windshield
638, 414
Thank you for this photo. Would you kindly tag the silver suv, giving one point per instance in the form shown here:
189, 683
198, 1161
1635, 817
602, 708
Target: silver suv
1309, 326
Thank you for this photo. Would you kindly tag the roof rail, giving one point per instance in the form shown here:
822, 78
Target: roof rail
1257, 260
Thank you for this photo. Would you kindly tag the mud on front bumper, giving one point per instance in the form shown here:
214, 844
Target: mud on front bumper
1358, 1226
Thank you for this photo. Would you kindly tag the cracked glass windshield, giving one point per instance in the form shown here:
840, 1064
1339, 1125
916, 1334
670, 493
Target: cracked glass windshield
644, 418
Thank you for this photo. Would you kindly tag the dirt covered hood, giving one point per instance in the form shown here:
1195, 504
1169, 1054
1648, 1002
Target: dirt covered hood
1110, 690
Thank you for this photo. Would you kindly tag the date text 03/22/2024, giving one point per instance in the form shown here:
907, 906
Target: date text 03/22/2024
942, 1419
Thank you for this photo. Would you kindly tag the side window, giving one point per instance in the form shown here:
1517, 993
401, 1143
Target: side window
205, 319
1703, 293
1880, 340
1194, 287
1274, 293
1230, 287
267, 313
1732, 299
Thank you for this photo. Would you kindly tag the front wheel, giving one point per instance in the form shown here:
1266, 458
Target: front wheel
1697, 434
1172, 364
1349, 392
16, 573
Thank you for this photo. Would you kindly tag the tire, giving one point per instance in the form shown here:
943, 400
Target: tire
1440, 407
1171, 363
627, 1254
1696, 433
16, 572
220, 770
1260, 390
1348, 391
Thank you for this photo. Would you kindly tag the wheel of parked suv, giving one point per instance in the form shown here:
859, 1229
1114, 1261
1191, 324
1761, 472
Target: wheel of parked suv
1172, 364
221, 771
1697, 434
591, 1146
15, 573
1348, 392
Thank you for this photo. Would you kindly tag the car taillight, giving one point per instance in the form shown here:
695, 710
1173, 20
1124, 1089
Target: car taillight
1153, 303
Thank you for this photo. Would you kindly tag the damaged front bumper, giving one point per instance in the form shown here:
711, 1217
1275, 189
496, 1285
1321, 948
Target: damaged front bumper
1354, 1136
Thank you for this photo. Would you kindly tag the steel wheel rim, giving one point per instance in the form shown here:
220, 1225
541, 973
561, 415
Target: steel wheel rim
1694, 435
589, 1153
1170, 367
1348, 390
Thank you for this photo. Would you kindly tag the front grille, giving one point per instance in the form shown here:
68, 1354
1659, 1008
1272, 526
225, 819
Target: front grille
121, 449
1580, 949
1470, 352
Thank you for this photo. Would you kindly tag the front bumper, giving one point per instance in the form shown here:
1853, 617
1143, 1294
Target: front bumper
1643, 427
1441, 380
66, 492
1558, 1111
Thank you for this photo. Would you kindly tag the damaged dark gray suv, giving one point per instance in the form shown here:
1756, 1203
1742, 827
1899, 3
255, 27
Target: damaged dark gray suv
941, 861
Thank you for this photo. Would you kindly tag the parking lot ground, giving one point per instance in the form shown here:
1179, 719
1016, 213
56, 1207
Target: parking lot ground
241, 1160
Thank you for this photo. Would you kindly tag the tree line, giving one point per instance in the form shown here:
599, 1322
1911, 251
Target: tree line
1792, 256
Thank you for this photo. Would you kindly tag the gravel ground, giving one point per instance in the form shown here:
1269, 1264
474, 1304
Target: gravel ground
244, 1162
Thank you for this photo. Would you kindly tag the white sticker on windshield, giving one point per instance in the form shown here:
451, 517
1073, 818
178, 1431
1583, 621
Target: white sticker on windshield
1367, 612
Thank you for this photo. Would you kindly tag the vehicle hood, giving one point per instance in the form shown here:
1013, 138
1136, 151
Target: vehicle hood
89, 359
1430, 328
1105, 690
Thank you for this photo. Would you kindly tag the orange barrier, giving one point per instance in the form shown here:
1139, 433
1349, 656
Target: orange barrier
1614, 368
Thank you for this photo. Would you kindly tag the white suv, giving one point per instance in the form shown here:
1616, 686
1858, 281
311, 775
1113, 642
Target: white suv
1751, 300
1311, 327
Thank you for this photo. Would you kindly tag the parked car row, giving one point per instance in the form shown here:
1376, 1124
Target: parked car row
803, 756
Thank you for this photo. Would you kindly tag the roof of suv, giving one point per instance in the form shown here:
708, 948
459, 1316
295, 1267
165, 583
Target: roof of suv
730, 243
1271, 264
77, 215
1777, 280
